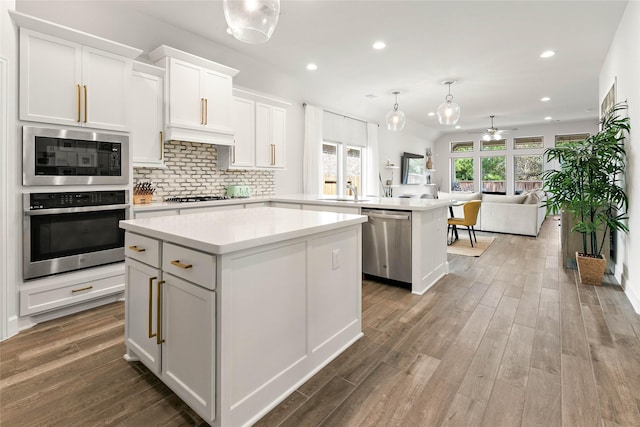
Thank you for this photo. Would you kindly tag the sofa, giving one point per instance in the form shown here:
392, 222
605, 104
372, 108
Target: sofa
513, 214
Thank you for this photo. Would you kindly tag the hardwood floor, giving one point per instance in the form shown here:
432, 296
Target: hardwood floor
507, 339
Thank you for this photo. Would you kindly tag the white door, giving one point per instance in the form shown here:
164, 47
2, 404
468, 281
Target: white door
141, 307
217, 93
105, 87
186, 104
146, 119
50, 79
278, 135
264, 147
188, 349
243, 114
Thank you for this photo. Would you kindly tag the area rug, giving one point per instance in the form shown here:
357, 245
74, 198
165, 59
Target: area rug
463, 247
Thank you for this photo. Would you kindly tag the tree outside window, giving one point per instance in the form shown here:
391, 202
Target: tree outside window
527, 173
462, 174
494, 172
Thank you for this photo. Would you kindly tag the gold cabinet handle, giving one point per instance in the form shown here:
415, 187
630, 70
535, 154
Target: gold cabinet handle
206, 111
177, 263
81, 289
234, 152
201, 111
85, 103
78, 104
273, 154
161, 146
137, 249
151, 279
159, 338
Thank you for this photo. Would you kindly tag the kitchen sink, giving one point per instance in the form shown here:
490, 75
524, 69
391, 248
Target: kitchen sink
341, 199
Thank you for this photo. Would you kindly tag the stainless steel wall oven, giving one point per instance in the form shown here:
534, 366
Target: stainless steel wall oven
73, 157
72, 230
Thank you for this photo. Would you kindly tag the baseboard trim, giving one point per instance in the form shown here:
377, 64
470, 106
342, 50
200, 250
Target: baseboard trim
633, 297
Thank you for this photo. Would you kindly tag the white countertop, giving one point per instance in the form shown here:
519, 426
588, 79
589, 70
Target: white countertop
408, 204
237, 229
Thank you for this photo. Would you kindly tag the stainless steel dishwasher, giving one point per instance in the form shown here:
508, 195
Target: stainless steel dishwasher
386, 244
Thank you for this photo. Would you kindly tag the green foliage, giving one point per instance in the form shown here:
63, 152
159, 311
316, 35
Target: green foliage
464, 169
589, 182
494, 168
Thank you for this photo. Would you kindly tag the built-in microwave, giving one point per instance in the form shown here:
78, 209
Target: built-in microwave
73, 157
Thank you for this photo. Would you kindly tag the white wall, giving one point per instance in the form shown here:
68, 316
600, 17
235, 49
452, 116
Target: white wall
623, 64
548, 131
414, 138
8, 175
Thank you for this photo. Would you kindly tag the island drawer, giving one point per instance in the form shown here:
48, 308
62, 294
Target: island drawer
194, 266
142, 248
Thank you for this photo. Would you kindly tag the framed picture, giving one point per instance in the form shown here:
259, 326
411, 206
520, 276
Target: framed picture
609, 100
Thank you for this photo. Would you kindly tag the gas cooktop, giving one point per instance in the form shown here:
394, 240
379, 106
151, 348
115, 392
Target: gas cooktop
194, 199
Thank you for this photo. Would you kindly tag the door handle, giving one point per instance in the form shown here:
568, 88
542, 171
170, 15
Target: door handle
151, 334
85, 103
137, 249
178, 264
159, 338
79, 118
206, 111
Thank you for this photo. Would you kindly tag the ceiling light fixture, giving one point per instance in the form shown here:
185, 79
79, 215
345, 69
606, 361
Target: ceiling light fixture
548, 118
395, 119
312, 67
448, 111
379, 45
431, 114
547, 54
545, 99
458, 127
251, 21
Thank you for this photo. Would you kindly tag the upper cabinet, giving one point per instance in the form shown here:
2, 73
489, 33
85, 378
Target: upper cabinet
66, 83
200, 97
147, 89
260, 126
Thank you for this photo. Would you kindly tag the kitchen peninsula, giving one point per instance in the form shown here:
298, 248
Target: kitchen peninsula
235, 309
428, 223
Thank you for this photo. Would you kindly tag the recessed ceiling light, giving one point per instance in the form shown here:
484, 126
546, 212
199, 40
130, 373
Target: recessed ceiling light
547, 54
312, 67
379, 45
458, 127
548, 118
545, 99
431, 114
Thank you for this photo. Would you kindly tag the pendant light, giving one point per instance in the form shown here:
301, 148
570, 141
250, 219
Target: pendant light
251, 21
395, 119
448, 112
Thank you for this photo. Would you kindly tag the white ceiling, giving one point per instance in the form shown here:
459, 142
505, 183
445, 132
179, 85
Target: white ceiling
491, 48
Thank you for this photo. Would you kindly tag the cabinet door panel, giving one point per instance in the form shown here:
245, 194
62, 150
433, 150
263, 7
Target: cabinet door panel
278, 134
264, 150
146, 119
185, 99
243, 153
188, 352
50, 72
105, 79
216, 90
140, 297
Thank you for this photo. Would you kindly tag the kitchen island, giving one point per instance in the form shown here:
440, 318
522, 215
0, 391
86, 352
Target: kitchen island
234, 310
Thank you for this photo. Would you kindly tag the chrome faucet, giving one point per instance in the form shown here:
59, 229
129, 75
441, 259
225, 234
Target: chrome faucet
354, 189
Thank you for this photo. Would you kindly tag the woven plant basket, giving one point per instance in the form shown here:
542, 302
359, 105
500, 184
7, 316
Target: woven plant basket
591, 270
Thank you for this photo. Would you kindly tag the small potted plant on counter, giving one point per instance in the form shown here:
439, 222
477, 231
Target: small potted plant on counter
589, 186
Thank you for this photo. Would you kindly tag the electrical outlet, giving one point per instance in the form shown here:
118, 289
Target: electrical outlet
335, 261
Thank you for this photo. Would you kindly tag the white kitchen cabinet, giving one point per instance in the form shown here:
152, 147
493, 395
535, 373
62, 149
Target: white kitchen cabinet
198, 108
170, 322
243, 151
271, 125
67, 83
147, 97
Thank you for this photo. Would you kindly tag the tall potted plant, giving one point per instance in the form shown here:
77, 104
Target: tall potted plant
589, 186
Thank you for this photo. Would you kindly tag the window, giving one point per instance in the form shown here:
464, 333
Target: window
527, 173
461, 147
493, 172
462, 179
528, 142
500, 144
341, 165
567, 139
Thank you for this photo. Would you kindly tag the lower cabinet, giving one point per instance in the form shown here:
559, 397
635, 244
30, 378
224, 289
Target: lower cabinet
170, 328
